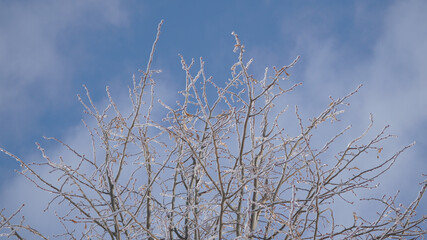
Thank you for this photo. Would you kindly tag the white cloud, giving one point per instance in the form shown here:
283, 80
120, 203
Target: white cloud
395, 91
392, 66
397, 72
33, 70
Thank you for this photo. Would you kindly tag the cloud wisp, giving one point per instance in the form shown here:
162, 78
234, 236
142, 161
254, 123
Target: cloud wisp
34, 70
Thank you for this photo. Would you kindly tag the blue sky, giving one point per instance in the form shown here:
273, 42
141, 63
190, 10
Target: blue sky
48, 49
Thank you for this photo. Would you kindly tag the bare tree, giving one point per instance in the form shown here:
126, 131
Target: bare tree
217, 166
